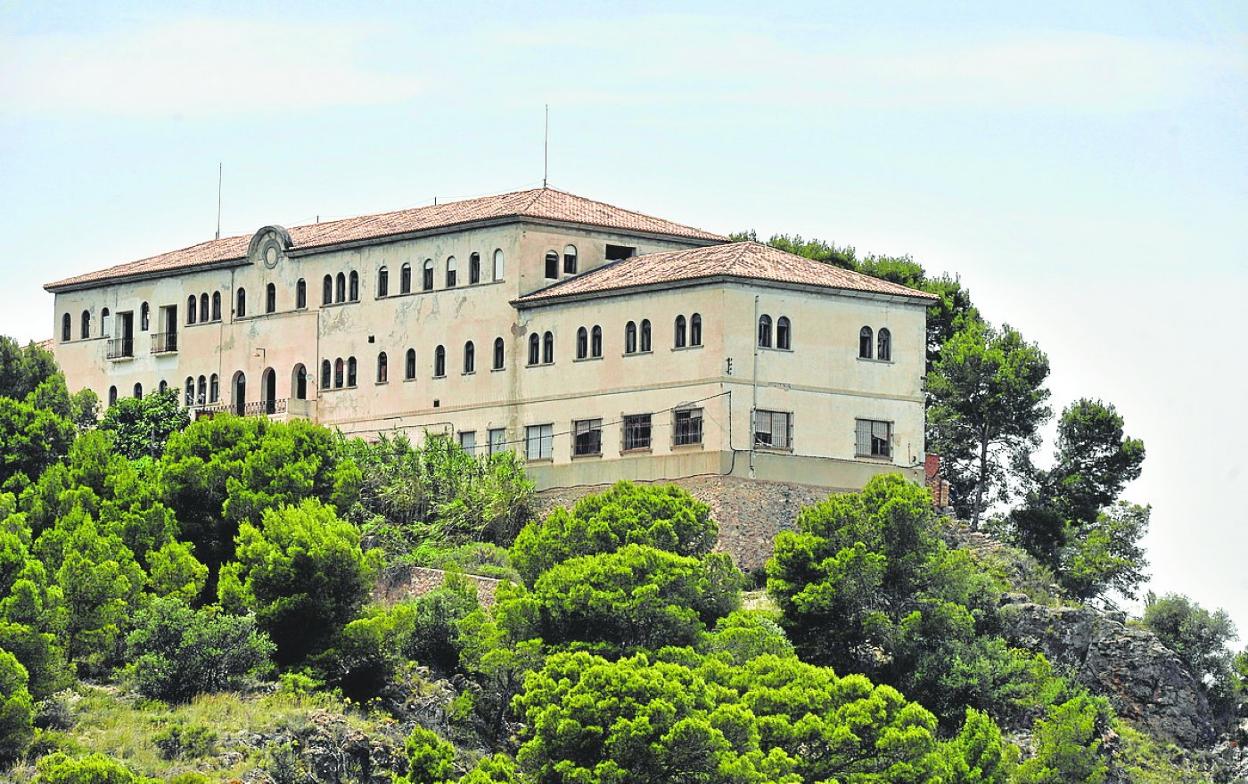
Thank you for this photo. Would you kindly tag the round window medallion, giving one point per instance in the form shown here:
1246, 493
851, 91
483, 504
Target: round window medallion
270, 256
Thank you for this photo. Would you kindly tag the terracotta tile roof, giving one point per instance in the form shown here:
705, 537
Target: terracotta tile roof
538, 203
750, 260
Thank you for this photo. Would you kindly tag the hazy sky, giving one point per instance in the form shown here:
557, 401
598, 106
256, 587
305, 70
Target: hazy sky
1083, 167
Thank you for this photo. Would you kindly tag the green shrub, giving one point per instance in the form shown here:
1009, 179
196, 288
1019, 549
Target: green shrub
430, 759
92, 769
16, 709
185, 741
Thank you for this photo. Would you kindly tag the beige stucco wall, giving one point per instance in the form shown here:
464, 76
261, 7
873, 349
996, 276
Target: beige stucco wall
820, 380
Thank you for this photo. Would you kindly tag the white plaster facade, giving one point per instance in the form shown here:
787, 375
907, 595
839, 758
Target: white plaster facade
820, 381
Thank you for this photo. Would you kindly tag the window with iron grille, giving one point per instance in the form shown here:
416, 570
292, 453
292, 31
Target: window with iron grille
468, 440
588, 437
873, 438
773, 429
687, 426
637, 432
539, 442
498, 440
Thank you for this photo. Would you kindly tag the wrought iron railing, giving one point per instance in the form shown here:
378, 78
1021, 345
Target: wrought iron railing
254, 408
120, 348
164, 342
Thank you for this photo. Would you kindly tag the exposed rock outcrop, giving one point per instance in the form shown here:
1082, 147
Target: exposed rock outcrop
1146, 682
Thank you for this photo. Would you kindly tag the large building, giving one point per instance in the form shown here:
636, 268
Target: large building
597, 342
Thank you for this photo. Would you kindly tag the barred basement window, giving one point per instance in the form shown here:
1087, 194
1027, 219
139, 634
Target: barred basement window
873, 438
636, 432
539, 442
687, 426
773, 429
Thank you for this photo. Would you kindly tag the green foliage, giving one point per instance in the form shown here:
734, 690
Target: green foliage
173, 571
978, 755
141, 426
1201, 639
185, 741
92, 769
23, 368
987, 401
661, 516
498, 769
302, 572
866, 585
1068, 744
636, 597
747, 634
430, 759
31, 439
176, 652
16, 709
221, 471
1106, 554
436, 492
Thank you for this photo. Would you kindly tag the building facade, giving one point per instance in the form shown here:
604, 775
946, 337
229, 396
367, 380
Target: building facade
596, 342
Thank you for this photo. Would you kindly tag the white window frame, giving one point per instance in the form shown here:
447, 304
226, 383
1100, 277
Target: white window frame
539, 442
773, 430
873, 438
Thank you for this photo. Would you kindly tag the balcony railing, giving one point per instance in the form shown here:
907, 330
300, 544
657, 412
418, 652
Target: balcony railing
164, 342
120, 348
254, 408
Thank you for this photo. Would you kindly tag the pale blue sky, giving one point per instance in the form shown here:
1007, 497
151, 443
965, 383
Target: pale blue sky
1082, 166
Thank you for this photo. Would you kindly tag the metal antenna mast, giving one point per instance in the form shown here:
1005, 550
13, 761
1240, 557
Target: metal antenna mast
219, 171
546, 148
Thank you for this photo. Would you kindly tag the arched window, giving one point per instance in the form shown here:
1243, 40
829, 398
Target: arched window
405, 279
630, 338
338, 368
216, 305
582, 343
409, 365
240, 303
552, 265
595, 342
84, 329
353, 293
112, 395
203, 306
474, 269
764, 331
214, 388
67, 326
383, 368
351, 371
192, 309
450, 272
240, 392
145, 318
301, 294
535, 348
326, 369
695, 329
383, 282
105, 325
426, 278
340, 288
885, 345
500, 350
268, 390
569, 260
498, 264
300, 382
189, 391
645, 335
327, 290
864, 343
439, 362
138, 390
784, 333
548, 348
201, 391
470, 357
679, 339
164, 385
270, 298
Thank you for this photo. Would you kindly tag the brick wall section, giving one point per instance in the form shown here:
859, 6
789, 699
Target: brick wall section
750, 513
405, 582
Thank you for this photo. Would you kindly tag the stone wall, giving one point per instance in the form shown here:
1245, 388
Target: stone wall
405, 582
750, 513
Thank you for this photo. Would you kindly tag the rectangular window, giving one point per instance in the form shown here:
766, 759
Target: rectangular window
637, 432
539, 442
588, 434
498, 440
873, 438
687, 426
468, 440
617, 252
773, 429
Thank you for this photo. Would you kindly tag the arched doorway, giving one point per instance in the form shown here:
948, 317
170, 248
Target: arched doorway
299, 382
240, 393
268, 390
